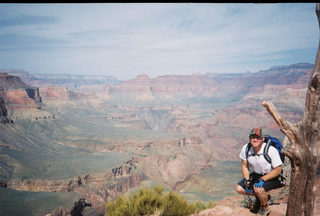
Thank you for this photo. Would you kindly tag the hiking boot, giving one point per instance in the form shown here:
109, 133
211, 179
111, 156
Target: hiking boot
269, 200
255, 206
264, 210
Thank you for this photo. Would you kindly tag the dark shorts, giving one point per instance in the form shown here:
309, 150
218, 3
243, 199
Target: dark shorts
268, 185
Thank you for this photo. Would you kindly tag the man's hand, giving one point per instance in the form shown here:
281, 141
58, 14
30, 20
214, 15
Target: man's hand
246, 182
259, 184
249, 190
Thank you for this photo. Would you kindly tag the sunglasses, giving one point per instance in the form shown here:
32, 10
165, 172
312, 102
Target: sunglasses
255, 137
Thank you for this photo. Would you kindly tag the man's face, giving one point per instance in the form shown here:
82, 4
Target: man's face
256, 140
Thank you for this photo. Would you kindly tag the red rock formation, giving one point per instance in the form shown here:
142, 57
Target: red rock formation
167, 84
22, 98
141, 84
219, 85
54, 93
17, 95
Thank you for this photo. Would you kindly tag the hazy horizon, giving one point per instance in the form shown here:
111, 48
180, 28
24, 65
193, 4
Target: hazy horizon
10, 70
127, 39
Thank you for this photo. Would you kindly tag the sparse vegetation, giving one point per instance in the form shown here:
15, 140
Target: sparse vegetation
152, 201
246, 201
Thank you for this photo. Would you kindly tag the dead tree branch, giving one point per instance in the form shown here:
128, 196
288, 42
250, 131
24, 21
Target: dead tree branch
285, 126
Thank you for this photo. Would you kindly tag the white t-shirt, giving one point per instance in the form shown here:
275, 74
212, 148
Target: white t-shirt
258, 163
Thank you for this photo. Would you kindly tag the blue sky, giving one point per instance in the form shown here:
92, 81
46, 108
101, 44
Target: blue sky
125, 40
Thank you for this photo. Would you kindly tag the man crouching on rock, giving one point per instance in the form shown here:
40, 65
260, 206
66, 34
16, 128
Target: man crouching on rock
264, 176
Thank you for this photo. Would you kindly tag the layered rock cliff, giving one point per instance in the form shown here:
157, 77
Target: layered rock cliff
56, 94
211, 87
165, 86
17, 95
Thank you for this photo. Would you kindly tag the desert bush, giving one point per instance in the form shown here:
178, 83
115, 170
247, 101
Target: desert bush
147, 200
121, 206
150, 201
176, 205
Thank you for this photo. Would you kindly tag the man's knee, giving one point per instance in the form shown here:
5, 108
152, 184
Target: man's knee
240, 189
259, 190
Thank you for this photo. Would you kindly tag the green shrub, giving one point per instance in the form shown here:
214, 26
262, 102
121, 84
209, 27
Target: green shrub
148, 201
121, 206
176, 205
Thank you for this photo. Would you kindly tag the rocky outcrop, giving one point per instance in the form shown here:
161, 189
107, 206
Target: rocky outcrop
55, 93
22, 98
15, 91
17, 95
189, 141
11, 81
141, 84
123, 185
125, 169
4, 113
101, 189
38, 185
238, 205
104, 187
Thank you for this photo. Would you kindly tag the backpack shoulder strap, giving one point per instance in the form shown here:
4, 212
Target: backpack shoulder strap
266, 150
247, 150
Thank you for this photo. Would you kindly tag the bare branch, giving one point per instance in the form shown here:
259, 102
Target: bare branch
288, 153
284, 125
293, 153
272, 111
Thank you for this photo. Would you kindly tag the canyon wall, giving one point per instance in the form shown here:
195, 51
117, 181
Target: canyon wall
16, 95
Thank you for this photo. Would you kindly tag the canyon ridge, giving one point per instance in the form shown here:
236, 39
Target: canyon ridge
67, 137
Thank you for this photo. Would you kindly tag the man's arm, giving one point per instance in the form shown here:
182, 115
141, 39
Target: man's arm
245, 169
272, 174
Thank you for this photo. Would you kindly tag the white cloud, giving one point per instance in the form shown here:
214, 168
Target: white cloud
125, 40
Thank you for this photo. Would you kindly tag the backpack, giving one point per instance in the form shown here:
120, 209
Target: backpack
270, 141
